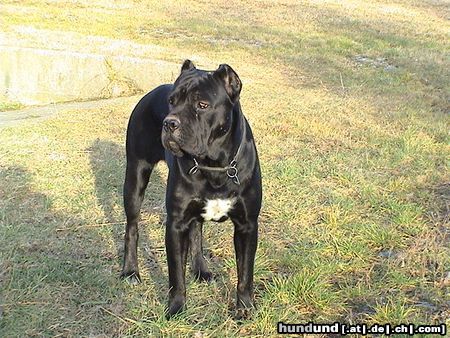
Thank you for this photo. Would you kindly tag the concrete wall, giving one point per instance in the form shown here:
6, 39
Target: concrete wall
40, 76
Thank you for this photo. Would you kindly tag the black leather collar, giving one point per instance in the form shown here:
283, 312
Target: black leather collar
231, 169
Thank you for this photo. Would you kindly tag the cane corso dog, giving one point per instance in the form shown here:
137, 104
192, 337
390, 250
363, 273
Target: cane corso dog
196, 125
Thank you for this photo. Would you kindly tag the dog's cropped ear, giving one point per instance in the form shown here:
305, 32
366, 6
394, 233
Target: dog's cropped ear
233, 84
187, 65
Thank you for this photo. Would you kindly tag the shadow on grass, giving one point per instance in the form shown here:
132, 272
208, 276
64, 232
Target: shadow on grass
108, 165
20, 246
54, 280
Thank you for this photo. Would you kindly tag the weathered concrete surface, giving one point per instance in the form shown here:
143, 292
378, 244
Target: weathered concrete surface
41, 76
41, 66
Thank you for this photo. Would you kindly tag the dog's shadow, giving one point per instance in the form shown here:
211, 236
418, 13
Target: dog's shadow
108, 164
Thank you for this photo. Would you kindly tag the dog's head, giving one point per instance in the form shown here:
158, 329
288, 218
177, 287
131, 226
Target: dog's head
200, 109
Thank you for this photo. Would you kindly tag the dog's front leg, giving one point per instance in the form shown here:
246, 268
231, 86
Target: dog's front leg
245, 243
177, 245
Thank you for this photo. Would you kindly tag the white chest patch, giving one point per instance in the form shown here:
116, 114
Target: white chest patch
216, 209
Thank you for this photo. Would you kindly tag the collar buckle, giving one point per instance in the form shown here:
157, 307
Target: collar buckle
232, 172
194, 169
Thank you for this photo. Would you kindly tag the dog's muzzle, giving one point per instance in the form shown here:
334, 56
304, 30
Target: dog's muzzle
170, 135
171, 124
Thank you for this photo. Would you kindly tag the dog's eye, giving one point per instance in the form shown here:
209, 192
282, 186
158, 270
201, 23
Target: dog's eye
202, 105
170, 101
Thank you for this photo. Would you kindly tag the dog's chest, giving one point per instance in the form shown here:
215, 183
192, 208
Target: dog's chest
217, 209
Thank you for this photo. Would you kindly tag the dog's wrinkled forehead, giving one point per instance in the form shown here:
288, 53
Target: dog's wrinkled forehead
196, 84
222, 85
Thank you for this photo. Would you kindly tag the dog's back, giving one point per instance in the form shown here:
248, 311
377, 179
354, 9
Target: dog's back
145, 125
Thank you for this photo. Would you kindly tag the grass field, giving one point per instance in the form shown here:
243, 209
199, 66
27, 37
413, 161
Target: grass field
349, 105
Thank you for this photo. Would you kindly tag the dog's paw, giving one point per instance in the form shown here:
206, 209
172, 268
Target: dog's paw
175, 307
244, 306
131, 277
242, 313
203, 276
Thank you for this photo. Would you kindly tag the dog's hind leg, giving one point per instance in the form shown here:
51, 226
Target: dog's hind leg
198, 262
136, 180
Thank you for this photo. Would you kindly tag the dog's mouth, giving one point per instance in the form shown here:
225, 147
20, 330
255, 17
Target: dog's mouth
172, 145
179, 146
174, 148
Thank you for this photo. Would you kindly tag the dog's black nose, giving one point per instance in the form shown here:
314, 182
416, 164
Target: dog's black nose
171, 123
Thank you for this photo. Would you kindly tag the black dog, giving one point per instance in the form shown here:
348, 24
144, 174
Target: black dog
214, 174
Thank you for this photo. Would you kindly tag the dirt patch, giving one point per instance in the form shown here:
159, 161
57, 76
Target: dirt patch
379, 62
11, 118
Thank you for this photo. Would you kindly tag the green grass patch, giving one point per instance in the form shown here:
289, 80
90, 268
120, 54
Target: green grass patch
5, 106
